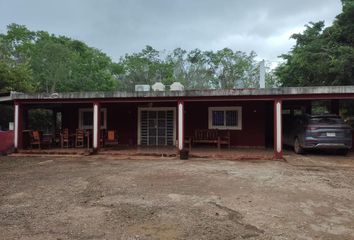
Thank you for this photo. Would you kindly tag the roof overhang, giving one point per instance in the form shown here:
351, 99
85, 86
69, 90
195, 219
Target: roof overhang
288, 93
6, 97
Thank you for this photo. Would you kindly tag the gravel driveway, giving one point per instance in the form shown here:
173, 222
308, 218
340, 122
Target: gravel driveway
306, 197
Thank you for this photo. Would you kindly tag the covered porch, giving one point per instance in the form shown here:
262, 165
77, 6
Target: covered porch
222, 120
152, 128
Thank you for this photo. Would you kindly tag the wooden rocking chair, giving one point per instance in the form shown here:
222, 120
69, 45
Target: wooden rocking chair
35, 139
64, 138
79, 138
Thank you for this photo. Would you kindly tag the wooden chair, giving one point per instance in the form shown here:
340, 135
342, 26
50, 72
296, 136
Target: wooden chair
225, 138
64, 138
35, 139
79, 138
111, 137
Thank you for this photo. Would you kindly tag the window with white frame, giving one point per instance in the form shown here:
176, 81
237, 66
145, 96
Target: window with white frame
225, 118
86, 118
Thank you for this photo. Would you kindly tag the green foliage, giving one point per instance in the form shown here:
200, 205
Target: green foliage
233, 68
40, 62
15, 69
197, 73
40, 119
15, 77
271, 80
195, 69
145, 67
322, 56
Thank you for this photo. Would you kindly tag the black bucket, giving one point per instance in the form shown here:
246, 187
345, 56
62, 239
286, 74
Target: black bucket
184, 154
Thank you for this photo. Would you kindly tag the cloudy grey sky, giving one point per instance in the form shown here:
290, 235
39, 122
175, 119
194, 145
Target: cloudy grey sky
124, 26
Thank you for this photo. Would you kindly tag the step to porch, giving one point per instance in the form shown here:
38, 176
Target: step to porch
227, 154
66, 152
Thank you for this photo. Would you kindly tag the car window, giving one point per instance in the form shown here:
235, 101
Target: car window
298, 112
326, 120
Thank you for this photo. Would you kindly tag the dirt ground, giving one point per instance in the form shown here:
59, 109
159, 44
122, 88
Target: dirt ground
97, 197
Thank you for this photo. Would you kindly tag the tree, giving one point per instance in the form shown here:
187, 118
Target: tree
51, 64
322, 56
198, 75
145, 67
40, 62
15, 69
221, 69
233, 69
178, 60
14, 77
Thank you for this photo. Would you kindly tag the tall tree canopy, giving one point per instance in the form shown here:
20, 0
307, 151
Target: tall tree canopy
195, 69
40, 62
322, 56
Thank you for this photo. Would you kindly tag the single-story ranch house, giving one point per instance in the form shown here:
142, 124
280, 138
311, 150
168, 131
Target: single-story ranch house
227, 118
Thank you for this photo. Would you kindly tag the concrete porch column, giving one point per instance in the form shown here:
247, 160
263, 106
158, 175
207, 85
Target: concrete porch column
278, 135
180, 128
96, 126
18, 126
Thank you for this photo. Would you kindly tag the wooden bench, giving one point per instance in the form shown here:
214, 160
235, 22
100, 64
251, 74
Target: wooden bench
210, 136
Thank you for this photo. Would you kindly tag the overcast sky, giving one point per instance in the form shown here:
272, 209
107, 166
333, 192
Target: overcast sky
125, 26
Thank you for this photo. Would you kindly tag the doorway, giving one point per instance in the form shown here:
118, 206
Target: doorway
156, 126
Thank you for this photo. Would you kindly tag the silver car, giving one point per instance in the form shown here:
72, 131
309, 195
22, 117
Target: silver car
318, 132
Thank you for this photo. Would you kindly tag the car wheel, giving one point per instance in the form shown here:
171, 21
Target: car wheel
342, 152
297, 147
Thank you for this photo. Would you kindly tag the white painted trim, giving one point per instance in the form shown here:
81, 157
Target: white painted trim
278, 126
156, 109
16, 126
232, 108
95, 126
138, 126
103, 121
180, 125
6, 99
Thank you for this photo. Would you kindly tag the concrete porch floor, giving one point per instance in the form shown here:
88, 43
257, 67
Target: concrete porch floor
131, 152
127, 152
196, 152
54, 151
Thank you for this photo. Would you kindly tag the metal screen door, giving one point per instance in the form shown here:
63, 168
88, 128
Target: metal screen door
156, 127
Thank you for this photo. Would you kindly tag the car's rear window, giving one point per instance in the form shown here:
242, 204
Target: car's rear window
326, 120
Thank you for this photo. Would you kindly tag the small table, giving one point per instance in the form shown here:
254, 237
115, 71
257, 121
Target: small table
47, 139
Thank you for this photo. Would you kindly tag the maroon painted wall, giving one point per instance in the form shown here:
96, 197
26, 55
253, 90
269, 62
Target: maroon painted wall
123, 117
6, 141
253, 121
70, 116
